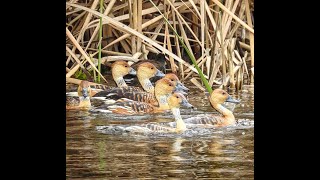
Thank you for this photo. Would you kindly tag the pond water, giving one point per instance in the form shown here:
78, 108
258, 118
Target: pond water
224, 153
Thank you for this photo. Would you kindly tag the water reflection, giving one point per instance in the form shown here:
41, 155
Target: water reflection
225, 153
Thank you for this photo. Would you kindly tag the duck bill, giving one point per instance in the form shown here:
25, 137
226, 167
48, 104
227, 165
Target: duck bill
231, 100
159, 73
183, 88
180, 87
179, 90
85, 92
186, 104
132, 71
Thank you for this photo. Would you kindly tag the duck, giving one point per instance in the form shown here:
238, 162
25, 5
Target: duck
118, 69
175, 101
174, 79
83, 99
158, 61
142, 102
226, 117
144, 72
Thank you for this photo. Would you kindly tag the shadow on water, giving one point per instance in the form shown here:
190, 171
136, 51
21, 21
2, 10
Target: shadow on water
223, 153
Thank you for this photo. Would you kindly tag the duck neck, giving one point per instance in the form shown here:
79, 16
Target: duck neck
227, 114
181, 126
163, 101
84, 102
146, 84
119, 81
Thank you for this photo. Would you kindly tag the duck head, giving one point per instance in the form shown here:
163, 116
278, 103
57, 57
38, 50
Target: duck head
219, 96
84, 90
176, 100
174, 79
120, 69
164, 87
147, 70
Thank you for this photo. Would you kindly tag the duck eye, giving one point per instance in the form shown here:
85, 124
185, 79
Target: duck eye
152, 68
171, 79
125, 66
170, 85
177, 96
223, 93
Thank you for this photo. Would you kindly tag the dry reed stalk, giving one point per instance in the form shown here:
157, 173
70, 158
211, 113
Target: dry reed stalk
233, 16
167, 41
202, 19
121, 6
169, 35
71, 12
184, 35
195, 7
135, 25
224, 14
108, 52
76, 44
106, 12
244, 46
131, 25
144, 51
128, 35
178, 47
210, 35
196, 83
215, 60
78, 81
77, 18
244, 62
223, 59
139, 24
197, 61
186, 24
124, 44
85, 22
238, 79
73, 70
172, 64
231, 57
213, 23
251, 38
124, 58
146, 11
200, 62
125, 28
229, 19
237, 24
76, 59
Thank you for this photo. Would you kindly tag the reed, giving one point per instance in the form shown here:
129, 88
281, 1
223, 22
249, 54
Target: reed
100, 40
208, 40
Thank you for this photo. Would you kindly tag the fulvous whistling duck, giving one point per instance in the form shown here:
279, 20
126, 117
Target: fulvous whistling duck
175, 101
158, 62
142, 102
120, 69
83, 99
174, 78
217, 98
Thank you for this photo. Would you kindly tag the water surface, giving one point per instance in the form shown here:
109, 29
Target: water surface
225, 153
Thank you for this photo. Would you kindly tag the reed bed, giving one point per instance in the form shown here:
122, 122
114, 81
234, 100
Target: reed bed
219, 36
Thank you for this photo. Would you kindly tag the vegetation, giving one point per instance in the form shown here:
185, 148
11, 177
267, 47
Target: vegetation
208, 40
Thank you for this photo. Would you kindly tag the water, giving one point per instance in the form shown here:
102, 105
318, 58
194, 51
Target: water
224, 153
